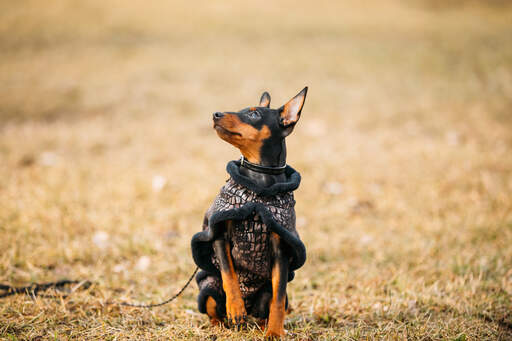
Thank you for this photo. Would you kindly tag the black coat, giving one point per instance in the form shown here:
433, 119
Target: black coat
255, 212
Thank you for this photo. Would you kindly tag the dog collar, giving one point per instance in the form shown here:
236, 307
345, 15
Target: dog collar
260, 168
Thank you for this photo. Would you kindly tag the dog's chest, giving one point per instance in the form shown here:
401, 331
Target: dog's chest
251, 251
250, 238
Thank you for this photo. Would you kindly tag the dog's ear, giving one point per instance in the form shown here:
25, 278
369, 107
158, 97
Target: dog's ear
290, 112
265, 100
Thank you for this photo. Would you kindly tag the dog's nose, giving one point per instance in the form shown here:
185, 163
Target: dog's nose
217, 115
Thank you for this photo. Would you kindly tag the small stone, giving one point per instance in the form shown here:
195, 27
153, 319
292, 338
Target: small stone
334, 188
143, 263
158, 183
119, 268
453, 138
365, 239
48, 159
100, 239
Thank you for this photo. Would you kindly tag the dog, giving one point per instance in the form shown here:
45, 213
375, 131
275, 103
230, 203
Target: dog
249, 248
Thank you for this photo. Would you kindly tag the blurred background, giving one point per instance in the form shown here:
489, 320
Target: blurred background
108, 160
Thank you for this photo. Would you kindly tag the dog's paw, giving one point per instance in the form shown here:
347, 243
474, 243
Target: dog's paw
274, 334
215, 322
235, 311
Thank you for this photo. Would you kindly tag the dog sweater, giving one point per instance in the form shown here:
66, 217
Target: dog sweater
255, 213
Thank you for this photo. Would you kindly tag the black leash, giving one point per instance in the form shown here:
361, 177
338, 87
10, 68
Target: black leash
161, 303
35, 289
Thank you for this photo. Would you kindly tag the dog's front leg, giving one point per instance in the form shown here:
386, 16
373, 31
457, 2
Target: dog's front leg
235, 308
279, 281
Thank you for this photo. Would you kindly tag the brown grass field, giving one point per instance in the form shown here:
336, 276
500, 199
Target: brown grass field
108, 161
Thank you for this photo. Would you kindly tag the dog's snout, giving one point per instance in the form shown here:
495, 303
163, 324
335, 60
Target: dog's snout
217, 115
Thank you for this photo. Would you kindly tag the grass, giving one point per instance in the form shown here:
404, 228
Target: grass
108, 161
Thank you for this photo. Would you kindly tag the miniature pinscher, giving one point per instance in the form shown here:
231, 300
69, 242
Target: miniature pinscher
249, 247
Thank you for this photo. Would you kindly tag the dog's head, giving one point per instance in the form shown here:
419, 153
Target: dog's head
251, 129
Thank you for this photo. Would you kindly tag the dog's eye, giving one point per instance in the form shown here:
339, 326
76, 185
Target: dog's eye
254, 115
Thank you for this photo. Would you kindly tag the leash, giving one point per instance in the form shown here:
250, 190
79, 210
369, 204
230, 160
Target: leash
35, 289
149, 306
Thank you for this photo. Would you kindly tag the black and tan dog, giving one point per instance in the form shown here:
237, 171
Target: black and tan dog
249, 247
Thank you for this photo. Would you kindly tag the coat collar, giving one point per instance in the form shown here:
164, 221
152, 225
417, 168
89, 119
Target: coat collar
291, 183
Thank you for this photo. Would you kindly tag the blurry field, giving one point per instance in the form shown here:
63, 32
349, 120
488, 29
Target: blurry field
108, 161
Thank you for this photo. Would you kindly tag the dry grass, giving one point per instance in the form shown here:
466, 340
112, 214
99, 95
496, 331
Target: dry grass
405, 147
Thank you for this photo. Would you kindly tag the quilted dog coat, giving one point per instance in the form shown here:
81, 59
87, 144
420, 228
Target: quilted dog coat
255, 213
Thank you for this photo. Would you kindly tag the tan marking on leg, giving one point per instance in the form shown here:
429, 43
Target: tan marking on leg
211, 311
235, 307
278, 302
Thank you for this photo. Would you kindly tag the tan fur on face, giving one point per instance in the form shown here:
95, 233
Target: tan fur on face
249, 142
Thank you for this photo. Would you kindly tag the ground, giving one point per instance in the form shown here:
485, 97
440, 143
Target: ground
108, 161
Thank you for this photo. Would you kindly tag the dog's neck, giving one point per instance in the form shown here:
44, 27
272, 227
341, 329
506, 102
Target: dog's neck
272, 155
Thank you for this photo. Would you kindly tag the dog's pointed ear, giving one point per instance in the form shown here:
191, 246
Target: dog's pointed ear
290, 112
265, 100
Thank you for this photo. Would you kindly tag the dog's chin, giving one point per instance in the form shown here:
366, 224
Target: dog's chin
224, 133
